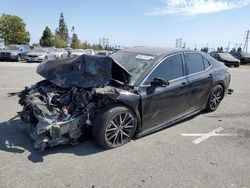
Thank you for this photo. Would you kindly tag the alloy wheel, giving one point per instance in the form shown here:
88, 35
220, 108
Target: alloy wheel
216, 98
120, 129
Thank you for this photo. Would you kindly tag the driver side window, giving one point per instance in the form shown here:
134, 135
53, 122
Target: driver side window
169, 69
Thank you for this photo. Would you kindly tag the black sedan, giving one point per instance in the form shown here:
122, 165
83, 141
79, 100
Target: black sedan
244, 57
226, 58
131, 93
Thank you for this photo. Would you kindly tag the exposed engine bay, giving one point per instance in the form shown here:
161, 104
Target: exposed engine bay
61, 108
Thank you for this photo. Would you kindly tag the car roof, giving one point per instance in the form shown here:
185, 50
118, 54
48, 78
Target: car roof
157, 51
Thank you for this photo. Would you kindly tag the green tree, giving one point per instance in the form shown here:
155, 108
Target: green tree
12, 30
239, 49
59, 42
47, 38
205, 49
75, 42
85, 45
62, 29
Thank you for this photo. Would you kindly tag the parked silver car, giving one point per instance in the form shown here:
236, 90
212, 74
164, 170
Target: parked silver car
40, 55
60, 53
14, 52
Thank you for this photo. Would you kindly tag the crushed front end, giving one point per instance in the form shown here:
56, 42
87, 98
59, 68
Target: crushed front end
56, 115
60, 109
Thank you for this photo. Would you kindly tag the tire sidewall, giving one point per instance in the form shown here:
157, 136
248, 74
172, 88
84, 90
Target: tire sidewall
208, 108
103, 119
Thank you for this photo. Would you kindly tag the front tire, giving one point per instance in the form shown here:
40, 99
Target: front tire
19, 59
114, 126
215, 98
237, 65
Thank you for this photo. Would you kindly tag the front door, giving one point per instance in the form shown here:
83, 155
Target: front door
163, 104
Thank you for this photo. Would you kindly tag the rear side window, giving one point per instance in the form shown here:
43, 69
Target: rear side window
169, 69
194, 63
206, 63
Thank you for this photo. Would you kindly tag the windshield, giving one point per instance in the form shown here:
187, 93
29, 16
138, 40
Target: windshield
245, 54
39, 50
12, 48
134, 63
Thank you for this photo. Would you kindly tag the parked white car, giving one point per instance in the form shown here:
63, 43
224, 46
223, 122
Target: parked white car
77, 52
60, 53
90, 52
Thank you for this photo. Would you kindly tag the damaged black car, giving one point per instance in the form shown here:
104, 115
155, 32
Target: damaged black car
130, 93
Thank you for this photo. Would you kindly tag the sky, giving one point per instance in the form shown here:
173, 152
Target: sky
199, 23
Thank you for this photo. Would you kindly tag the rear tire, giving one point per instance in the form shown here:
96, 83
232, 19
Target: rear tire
215, 98
114, 126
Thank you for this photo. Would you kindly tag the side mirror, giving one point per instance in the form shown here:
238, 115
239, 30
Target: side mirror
159, 82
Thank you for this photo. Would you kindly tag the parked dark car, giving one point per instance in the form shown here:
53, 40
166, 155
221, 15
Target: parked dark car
226, 58
14, 52
131, 93
244, 57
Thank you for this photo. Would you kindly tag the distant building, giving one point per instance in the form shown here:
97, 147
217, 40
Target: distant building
104, 42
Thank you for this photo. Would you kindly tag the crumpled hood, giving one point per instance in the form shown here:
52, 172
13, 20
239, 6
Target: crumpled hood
84, 71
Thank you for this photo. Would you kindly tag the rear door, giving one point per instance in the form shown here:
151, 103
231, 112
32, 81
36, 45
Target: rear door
163, 104
200, 78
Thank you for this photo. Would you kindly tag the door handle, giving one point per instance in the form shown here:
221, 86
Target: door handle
183, 84
210, 75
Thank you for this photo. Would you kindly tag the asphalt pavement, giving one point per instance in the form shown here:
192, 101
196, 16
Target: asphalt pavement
208, 150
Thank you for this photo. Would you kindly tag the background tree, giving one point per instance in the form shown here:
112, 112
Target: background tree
239, 49
220, 49
59, 42
205, 49
75, 42
85, 45
12, 30
47, 38
233, 50
62, 29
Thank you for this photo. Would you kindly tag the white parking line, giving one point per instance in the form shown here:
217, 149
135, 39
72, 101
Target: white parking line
203, 137
10, 88
242, 91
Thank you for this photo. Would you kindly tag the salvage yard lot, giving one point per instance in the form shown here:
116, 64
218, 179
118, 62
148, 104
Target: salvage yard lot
163, 159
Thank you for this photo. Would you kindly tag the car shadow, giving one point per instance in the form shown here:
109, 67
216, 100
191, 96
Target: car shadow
14, 139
